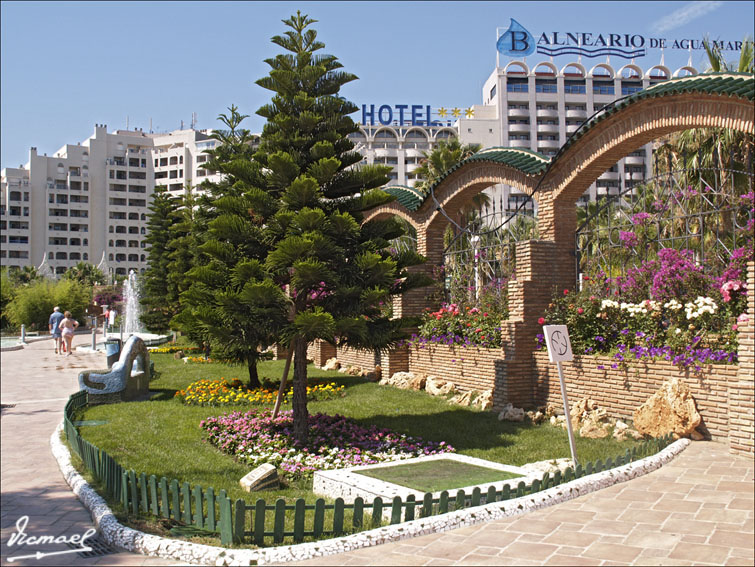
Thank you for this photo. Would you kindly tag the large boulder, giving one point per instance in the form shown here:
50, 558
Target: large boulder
418, 382
670, 410
373, 376
438, 387
264, 477
593, 428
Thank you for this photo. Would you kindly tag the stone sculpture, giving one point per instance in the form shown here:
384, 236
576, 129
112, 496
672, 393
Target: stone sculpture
127, 380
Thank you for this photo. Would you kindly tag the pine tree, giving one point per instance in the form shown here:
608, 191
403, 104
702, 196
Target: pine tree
160, 296
231, 301
338, 273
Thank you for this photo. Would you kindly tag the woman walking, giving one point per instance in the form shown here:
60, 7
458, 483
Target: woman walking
68, 325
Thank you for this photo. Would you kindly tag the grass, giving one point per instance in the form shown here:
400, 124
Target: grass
437, 475
162, 436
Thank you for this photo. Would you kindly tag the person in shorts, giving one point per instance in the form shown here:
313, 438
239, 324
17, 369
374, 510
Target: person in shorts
55, 331
67, 326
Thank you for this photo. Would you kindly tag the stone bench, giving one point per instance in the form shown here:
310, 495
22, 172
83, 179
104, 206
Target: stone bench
127, 380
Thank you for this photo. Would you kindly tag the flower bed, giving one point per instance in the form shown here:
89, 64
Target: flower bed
690, 318
172, 349
453, 324
334, 442
222, 393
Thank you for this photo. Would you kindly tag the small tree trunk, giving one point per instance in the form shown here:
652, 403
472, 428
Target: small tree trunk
282, 388
299, 402
254, 381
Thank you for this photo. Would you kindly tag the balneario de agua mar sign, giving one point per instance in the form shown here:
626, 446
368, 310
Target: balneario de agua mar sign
517, 41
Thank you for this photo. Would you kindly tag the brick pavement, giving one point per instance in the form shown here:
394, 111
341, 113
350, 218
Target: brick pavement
39, 382
696, 510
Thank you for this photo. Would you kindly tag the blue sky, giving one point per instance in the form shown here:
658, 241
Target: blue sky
65, 66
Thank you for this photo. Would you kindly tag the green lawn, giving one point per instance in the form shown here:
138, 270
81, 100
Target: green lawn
437, 475
163, 437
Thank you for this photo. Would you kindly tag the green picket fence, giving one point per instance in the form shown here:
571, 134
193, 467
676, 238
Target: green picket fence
263, 524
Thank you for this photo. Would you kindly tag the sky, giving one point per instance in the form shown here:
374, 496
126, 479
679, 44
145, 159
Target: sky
66, 66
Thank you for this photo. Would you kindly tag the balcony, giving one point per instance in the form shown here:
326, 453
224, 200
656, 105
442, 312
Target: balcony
548, 128
519, 128
613, 175
576, 114
548, 144
571, 128
547, 113
634, 160
517, 112
634, 176
519, 143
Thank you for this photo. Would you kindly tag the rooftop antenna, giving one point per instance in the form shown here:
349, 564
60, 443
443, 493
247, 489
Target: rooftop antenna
193, 120
689, 61
150, 126
663, 57
182, 125
126, 122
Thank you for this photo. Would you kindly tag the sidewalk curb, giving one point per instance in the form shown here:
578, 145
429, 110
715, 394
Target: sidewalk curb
135, 541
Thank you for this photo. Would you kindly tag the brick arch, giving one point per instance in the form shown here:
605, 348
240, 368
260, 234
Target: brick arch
462, 185
389, 210
637, 124
611, 139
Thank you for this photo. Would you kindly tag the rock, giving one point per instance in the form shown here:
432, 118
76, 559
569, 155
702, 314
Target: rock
463, 399
418, 382
178, 355
593, 429
437, 387
354, 371
549, 466
398, 380
185, 359
620, 425
484, 401
696, 435
510, 413
551, 410
375, 375
264, 477
535, 416
670, 410
332, 364
583, 406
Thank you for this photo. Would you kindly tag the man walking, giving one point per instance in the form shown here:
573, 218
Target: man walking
54, 325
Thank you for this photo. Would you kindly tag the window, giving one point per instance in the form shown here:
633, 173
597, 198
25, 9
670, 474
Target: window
174, 160
119, 216
133, 230
201, 159
163, 162
603, 87
86, 257
516, 85
574, 87
492, 92
133, 216
628, 88
18, 240
137, 203
117, 202
545, 86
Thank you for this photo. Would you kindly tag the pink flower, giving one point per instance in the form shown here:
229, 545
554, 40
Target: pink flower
580, 311
734, 327
541, 321
566, 292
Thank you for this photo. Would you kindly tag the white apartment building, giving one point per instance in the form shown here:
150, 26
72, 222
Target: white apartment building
89, 201
538, 108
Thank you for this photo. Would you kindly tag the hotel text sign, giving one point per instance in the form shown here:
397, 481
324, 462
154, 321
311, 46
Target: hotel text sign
414, 114
517, 41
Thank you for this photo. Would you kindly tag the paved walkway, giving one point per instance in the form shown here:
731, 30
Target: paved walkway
37, 382
697, 510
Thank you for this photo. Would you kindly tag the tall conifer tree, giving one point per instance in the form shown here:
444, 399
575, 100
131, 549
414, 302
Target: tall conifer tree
338, 272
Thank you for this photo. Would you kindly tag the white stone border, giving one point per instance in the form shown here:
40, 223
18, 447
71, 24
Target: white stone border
194, 553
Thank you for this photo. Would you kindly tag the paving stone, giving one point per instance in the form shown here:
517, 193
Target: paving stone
732, 539
700, 553
612, 552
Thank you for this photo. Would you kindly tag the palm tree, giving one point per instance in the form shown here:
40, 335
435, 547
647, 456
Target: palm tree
445, 155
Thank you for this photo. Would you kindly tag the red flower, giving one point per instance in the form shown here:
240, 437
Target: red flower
580, 311
566, 292
541, 321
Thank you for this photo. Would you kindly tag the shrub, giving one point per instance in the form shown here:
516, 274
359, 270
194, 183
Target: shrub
32, 304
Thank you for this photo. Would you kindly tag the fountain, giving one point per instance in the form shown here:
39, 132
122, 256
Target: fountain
133, 324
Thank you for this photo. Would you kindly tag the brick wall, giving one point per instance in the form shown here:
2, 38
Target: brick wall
621, 391
742, 391
354, 357
469, 368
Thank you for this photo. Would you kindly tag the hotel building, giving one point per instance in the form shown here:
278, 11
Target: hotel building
538, 108
89, 201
